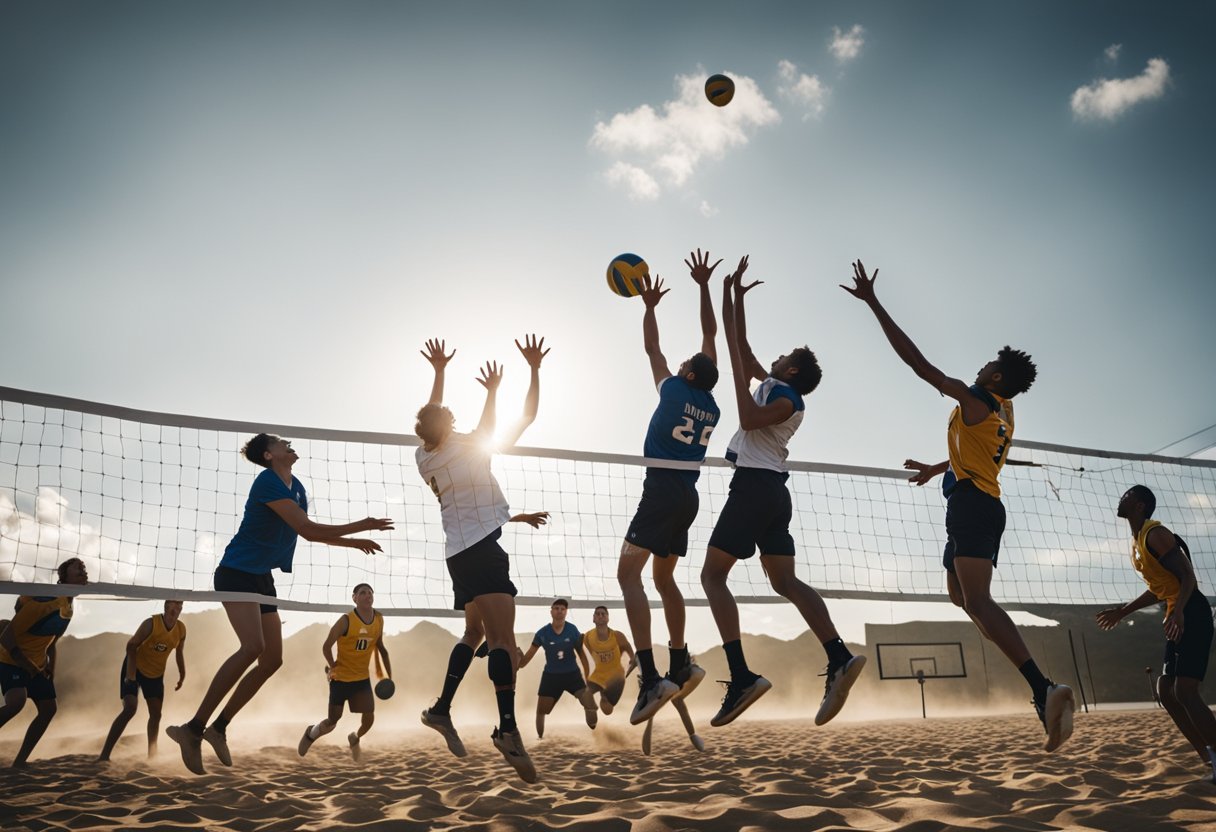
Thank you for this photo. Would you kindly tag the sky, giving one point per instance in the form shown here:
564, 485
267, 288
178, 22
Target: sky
260, 212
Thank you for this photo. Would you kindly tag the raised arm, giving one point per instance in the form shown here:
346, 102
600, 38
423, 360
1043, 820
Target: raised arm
490, 378
533, 351
535, 519
974, 410
434, 354
291, 514
701, 272
924, 473
651, 294
751, 365
751, 415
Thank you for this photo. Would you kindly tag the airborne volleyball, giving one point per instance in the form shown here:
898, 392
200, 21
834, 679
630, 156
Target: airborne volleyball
625, 274
719, 89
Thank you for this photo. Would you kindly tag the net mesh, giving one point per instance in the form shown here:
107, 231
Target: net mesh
150, 500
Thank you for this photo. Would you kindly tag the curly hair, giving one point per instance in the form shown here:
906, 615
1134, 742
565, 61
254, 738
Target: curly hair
809, 373
1017, 371
255, 449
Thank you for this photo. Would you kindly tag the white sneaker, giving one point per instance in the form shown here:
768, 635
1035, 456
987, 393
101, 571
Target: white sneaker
1057, 716
512, 747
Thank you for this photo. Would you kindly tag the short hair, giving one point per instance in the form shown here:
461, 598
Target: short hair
1146, 496
1017, 371
62, 568
601, 607
425, 414
255, 449
809, 373
560, 602
704, 370
359, 587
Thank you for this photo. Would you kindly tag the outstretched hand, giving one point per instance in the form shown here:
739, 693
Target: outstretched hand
652, 291
863, 285
491, 376
699, 268
434, 353
533, 350
923, 474
1107, 619
367, 547
736, 279
377, 524
535, 519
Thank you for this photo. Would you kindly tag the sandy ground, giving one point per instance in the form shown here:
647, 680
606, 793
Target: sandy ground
1121, 771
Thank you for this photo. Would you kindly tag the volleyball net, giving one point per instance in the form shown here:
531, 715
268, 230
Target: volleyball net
150, 500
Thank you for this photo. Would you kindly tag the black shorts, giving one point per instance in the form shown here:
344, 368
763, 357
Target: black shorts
37, 687
481, 569
152, 686
1189, 656
757, 514
975, 522
614, 690
553, 685
228, 579
665, 513
358, 694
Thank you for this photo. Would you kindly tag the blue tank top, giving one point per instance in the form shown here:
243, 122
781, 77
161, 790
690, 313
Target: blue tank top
681, 424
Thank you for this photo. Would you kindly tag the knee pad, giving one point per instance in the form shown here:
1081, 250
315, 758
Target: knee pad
501, 672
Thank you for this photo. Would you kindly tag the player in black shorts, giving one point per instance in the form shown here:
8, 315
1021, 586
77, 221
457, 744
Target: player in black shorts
1164, 561
563, 643
679, 430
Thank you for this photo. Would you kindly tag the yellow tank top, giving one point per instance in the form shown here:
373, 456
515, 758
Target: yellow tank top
606, 655
36, 626
977, 452
355, 649
153, 653
1161, 582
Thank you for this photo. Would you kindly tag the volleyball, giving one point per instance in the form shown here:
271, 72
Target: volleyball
719, 89
385, 688
625, 274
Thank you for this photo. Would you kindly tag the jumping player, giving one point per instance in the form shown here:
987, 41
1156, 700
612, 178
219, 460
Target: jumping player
27, 656
474, 510
679, 430
359, 635
978, 437
1164, 562
562, 643
606, 646
758, 511
276, 513
143, 669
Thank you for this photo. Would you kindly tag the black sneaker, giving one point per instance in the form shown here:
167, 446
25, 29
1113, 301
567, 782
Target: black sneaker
836, 690
652, 695
1055, 712
739, 697
686, 678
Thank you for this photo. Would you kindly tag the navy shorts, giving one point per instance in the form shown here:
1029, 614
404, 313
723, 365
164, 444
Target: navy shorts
1189, 656
665, 513
481, 569
975, 522
153, 687
553, 685
757, 514
37, 687
358, 694
228, 579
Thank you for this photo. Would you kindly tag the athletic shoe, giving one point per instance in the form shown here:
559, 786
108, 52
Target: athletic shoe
443, 724
306, 742
687, 680
511, 744
739, 697
1055, 712
355, 751
191, 745
592, 717
836, 690
218, 741
652, 695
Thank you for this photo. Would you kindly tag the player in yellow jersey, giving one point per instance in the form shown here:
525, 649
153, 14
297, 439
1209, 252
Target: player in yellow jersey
979, 433
606, 647
143, 668
27, 656
1164, 561
359, 635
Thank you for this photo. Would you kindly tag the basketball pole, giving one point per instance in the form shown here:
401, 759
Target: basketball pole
920, 677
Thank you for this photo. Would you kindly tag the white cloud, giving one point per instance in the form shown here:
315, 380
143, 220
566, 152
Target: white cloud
806, 91
670, 143
638, 183
1109, 98
846, 46
708, 210
1112, 51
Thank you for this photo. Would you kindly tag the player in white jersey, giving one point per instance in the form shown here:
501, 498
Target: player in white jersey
758, 511
474, 510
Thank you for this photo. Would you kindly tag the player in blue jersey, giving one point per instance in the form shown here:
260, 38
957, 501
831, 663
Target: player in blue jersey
276, 514
758, 511
563, 644
679, 430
